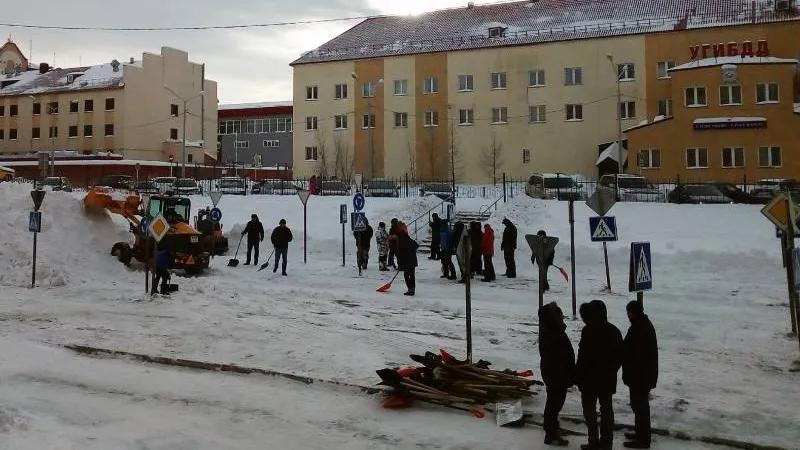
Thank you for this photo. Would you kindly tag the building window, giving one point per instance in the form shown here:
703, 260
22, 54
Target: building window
574, 112
499, 80
769, 156
732, 157
696, 158
431, 119
36, 133
2, 110
400, 87
173, 134
173, 110
53, 132
626, 72
241, 144
466, 117
537, 114
12, 134
340, 122
52, 108
497, 32
650, 158
730, 95
189, 157
401, 120
109, 129
662, 68
526, 156
271, 143
2, 134
665, 107
340, 91
72, 131
465, 83
73, 106
536, 78
13, 110
430, 86
695, 96
88, 105
311, 123
109, 104
767, 93
500, 115
37, 108
87, 131
368, 89
368, 121
573, 76
311, 154
627, 110
312, 92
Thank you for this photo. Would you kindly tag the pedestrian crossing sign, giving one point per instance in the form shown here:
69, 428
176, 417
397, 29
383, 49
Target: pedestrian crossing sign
641, 269
603, 228
358, 221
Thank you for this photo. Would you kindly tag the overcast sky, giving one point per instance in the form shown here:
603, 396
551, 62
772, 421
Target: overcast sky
250, 65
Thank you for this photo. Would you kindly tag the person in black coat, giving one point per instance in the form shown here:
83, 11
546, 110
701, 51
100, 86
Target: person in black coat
547, 263
363, 242
557, 367
476, 237
281, 236
508, 245
436, 227
407, 258
640, 371
599, 360
255, 235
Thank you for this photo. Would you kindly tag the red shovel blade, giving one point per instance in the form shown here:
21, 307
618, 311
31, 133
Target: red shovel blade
564, 273
385, 287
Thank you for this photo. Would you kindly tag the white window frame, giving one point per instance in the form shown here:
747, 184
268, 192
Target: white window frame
573, 76
401, 120
574, 110
312, 123
312, 93
627, 110
466, 83
768, 100
650, 164
340, 122
732, 151
431, 118
401, 87
241, 144
368, 121
340, 91
697, 152
770, 150
667, 107
430, 86
537, 113
626, 72
312, 153
730, 90
499, 81
368, 89
695, 91
271, 143
537, 78
500, 115
662, 69
466, 117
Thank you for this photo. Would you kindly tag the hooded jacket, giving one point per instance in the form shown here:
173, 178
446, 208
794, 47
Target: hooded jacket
254, 231
487, 241
640, 355
509, 241
555, 349
599, 351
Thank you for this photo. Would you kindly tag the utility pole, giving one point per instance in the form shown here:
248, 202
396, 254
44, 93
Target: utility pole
369, 131
620, 163
183, 142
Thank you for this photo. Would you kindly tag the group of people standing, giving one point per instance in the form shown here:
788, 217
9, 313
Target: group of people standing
281, 237
601, 353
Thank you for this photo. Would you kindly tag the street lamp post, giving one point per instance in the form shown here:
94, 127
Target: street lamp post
183, 140
620, 163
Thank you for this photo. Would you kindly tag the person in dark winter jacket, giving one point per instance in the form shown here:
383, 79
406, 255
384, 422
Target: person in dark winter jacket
363, 242
394, 227
436, 225
281, 236
508, 245
255, 235
446, 252
487, 251
640, 371
161, 271
458, 231
599, 360
476, 237
407, 259
547, 263
557, 367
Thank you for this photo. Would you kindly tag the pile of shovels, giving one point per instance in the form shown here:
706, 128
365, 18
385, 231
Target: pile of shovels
443, 380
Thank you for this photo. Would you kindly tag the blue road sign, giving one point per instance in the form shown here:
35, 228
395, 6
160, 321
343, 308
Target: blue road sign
641, 270
144, 225
35, 222
343, 213
358, 221
358, 201
603, 229
215, 214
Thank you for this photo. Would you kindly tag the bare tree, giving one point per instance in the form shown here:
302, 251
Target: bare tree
432, 155
323, 158
491, 158
412, 159
343, 159
456, 163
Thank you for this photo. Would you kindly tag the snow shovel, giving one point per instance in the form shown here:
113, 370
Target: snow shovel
563, 272
387, 286
235, 262
266, 264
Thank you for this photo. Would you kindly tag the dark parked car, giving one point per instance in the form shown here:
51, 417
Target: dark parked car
733, 192
334, 188
381, 188
442, 190
58, 184
147, 187
117, 181
697, 194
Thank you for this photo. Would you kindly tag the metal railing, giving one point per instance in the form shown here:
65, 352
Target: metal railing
482, 212
427, 215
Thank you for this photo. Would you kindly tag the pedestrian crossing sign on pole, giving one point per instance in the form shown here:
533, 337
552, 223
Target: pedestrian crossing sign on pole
358, 221
603, 228
641, 269
35, 222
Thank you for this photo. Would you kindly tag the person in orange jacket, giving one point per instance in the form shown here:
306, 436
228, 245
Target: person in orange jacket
487, 250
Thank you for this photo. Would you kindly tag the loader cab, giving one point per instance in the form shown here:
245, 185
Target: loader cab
175, 209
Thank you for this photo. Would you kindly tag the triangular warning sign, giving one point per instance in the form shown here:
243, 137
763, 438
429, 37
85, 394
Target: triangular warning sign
643, 272
360, 225
602, 230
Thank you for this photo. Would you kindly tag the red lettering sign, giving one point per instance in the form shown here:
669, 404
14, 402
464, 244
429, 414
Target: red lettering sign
745, 49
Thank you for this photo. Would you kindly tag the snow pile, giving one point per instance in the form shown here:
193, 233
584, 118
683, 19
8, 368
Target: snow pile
72, 247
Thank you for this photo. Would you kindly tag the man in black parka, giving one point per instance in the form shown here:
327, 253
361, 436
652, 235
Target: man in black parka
640, 371
509, 245
255, 234
557, 367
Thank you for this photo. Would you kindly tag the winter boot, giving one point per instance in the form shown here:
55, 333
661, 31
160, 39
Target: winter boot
557, 441
409, 293
630, 435
636, 444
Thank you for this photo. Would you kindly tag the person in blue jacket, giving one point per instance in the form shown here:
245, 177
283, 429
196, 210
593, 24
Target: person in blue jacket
446, 251
161, 272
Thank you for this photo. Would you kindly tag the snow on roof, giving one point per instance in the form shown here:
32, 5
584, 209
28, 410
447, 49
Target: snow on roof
254, 105
729, 119
733, 60
797, 108
611, 152
89, 77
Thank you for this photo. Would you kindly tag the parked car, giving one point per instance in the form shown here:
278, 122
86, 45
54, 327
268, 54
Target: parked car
232, 185
733, 192
187, 186
334, 188
117, 181
554, 186
6, 173
147, 187
57, 184
165, 184
697, 194
380, 188
442, 190
632, 188
277, 187
766, 189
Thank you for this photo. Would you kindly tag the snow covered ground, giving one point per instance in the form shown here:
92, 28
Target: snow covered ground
718, 304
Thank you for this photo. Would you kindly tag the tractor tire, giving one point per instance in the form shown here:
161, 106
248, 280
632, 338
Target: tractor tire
123, 252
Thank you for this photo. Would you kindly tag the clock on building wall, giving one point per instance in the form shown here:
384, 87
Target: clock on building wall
729, 74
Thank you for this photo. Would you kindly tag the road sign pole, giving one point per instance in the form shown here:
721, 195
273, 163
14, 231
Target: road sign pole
305, 234
542, 278
608, 274
147, 252
572, 254
640, 299
789, 263
343, 258
33, 269
468, 301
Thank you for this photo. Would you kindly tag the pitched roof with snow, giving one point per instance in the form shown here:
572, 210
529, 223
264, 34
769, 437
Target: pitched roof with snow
33, 82
534, 21
721, 61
